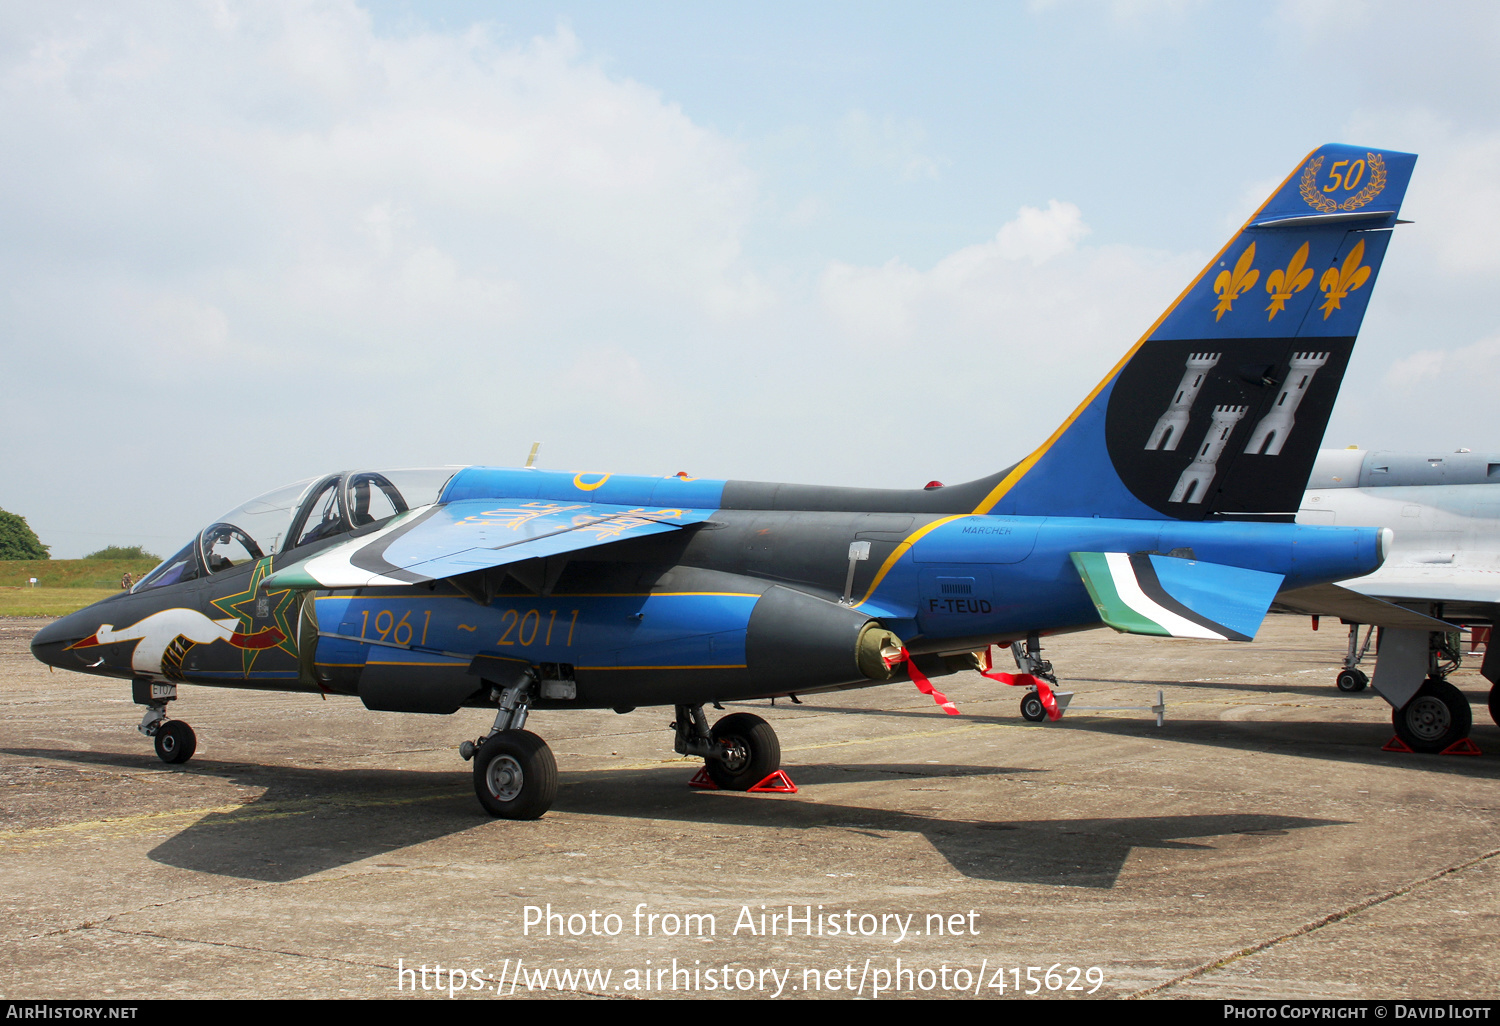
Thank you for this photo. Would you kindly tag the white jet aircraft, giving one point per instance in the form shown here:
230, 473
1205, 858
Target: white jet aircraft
1442, 572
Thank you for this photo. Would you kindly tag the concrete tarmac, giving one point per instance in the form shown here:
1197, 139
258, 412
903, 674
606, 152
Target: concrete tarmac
1258, 845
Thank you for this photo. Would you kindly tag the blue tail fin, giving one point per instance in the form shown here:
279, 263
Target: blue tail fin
1219, 409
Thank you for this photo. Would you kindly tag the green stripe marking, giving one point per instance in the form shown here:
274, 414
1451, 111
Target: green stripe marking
1100, 582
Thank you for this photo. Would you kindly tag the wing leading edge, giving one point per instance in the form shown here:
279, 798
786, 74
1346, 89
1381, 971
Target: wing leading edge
440, 541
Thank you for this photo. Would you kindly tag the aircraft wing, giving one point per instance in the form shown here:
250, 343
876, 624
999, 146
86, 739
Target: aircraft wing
434, 542
1353, 607
1436, 583
1170, 597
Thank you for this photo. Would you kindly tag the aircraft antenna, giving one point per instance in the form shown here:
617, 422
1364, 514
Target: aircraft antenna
531, 459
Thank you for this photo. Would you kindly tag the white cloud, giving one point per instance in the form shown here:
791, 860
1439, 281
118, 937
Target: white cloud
279, 233
1039, 235
1457, 189
1031, 292
324, 246
1472, 371
892, 143
1134, 13
283, 163
612, 378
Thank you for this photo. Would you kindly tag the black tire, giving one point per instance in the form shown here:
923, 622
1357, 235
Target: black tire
1437, 715
1032, 707
175, 742
1352, 681
1495, 703
754, 752
515, 775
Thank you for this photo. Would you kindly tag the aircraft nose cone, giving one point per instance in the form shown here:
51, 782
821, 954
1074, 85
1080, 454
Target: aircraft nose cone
51, 642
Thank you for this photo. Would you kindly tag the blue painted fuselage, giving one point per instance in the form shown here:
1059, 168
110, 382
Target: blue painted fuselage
665, 621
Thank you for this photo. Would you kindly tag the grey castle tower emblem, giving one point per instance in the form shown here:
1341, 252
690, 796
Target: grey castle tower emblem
1192, 486
1271, 432
1171, 424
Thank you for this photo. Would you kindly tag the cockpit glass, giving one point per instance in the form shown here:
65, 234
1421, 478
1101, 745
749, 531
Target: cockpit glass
226, 546
182, 566
324, 517
261, 525
373, 496
298, 514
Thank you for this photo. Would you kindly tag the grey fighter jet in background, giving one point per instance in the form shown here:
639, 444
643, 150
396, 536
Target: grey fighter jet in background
1443, 572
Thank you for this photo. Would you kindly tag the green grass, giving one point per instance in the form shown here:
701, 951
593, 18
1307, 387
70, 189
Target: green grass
70, 573
41, 601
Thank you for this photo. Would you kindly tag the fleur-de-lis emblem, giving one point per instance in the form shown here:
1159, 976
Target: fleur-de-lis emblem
1281, 284
1229, 285
1337, 283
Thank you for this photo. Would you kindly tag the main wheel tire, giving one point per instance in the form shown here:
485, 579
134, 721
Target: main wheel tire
1032, 707
1495, 703
175, 742
1352, 681
515, 775
1437, 715
754, 752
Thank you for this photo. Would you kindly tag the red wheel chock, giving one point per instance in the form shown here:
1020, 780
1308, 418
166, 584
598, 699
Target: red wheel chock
1463, 746
776, 783
702, 781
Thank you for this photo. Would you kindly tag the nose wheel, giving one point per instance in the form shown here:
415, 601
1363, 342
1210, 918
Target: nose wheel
1351, 682
175, 742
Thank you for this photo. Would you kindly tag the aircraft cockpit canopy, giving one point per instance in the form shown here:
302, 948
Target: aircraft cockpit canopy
299, 514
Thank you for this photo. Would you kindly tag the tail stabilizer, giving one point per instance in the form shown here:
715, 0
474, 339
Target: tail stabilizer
1219, 409
1176, 598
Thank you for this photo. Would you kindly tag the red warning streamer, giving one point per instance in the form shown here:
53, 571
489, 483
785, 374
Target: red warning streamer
1023, 680
920, 680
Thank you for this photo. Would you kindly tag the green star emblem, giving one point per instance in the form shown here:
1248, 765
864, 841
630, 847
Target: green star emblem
279, 607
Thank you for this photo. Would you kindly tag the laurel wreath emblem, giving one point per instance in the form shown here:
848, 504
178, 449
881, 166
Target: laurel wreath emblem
1315, 198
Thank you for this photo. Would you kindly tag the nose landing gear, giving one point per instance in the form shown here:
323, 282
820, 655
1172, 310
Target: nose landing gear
175, 740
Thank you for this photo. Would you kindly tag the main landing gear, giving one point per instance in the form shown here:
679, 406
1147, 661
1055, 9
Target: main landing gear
739, 752
515, 775
175, 740
1431, 716
1437, 716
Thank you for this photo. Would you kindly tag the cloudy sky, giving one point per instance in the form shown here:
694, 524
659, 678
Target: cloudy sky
858, 243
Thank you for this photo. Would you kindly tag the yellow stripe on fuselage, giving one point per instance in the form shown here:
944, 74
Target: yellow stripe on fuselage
901, 550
